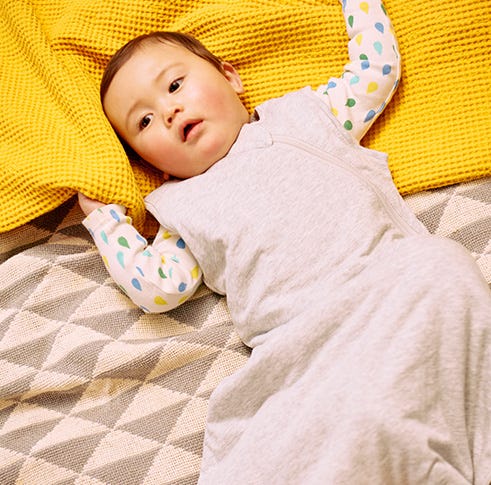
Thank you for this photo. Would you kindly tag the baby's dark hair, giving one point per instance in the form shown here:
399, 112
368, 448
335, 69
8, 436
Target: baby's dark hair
176, 38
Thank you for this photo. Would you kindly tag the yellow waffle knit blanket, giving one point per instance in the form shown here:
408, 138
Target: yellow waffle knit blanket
55, 140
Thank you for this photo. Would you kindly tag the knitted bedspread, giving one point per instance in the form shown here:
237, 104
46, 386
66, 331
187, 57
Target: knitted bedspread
54, 139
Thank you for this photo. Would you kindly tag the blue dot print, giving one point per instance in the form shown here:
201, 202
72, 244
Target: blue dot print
136, 284
114, 215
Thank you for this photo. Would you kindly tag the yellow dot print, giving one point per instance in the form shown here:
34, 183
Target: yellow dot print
159, 300
195, 272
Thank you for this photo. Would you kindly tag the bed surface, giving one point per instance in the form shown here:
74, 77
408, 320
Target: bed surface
94, 391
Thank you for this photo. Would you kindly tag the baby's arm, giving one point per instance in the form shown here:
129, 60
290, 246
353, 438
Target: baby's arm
156, 277
372, 75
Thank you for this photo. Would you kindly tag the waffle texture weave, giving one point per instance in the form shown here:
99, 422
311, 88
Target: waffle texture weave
56, 141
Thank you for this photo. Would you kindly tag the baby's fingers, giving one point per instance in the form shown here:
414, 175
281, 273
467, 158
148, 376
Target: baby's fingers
88, 205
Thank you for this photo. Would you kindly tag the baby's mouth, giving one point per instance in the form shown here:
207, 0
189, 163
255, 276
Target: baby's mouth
188, 128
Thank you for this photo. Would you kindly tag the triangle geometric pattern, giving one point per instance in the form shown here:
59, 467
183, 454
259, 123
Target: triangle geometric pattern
94, 391
461, 212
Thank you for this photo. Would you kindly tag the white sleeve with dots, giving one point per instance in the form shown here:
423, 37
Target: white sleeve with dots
371, 77
157, 277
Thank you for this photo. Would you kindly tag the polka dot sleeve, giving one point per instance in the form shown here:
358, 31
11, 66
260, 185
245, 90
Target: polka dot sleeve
372, 75
156, 277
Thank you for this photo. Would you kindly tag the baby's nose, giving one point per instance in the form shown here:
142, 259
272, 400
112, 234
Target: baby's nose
170, 114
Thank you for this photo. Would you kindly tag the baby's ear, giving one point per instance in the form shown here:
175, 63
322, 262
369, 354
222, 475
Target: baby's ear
233, 77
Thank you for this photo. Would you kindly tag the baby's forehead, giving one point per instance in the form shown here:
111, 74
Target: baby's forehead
153, 43
154, 52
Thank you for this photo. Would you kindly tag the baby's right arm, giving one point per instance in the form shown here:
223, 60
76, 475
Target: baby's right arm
156, 277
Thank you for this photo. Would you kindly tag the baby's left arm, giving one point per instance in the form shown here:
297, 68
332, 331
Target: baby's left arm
372, 75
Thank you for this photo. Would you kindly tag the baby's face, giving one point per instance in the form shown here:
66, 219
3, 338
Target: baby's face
175, 109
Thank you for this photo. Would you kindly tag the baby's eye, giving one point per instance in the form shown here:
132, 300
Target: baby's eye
175, 85
145, 121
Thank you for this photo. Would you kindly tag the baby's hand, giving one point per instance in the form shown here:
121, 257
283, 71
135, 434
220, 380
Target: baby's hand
88, 205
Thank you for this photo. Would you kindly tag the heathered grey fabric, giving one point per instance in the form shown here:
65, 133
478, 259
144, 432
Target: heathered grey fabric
371, 344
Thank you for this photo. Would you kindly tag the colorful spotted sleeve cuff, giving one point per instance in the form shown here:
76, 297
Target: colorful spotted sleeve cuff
372, 75
156, 277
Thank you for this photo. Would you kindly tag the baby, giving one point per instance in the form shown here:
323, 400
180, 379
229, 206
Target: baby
181, 112
370, 344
